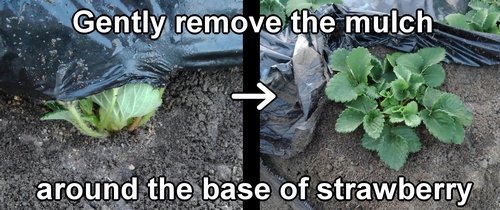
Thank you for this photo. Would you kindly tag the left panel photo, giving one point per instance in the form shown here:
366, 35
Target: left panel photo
104, 106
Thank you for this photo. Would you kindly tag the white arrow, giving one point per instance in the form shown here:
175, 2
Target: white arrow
268, 96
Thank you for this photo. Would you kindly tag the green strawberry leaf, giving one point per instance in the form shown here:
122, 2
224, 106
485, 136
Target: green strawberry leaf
373, 144
399, 89
349, 120
410, 116
91, 118
431, 96
372, 92
342, 88
408, 135
389, 102
373, 123
412, 120
338, 60
59, 115
273, 7
402, 73
452, 105
494, 30
363, 104
459, 134
396, 117
480, 17
457, 20
377, 71
393, 151
124, 103
413, 62
416, 81
490, 24
137, 100
106, 101
449, 103
55, 106
432, 55
399, 84
494, 8
470, 14
389, 76
359, 61
434, 75
86, 106
382, 86
391, 58
393, 109
410, 108
476, 27
439, 124
478, 5
370, 143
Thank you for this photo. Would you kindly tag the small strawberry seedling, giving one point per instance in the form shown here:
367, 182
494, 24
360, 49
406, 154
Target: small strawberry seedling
131, 105
484, 16
268, 7
391, 98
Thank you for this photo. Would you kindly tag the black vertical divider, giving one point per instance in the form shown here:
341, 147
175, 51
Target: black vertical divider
251, 76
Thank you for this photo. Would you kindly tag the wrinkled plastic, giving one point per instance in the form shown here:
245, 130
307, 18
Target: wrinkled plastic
42, 56
296, 68
462, 46
435, 8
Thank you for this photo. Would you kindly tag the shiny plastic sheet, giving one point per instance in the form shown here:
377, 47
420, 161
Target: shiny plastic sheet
42, 56
435, 8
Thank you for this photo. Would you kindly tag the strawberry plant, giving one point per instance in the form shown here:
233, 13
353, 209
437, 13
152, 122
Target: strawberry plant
268, 7
131, 105
273, 7
391, 98
484, 16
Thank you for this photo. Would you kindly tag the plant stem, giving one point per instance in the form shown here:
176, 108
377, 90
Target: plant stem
80, 123
105, 120
404, 102
161, 90
135, 124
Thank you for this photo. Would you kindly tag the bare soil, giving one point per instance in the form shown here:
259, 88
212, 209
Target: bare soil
196, 132
331, 155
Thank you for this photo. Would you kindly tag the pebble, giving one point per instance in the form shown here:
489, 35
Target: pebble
131, 167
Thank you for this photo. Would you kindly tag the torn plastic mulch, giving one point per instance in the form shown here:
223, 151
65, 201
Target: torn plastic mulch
436, 9
42, 56
295, 68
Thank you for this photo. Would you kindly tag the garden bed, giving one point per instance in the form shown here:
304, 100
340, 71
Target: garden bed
331, 155
196, 132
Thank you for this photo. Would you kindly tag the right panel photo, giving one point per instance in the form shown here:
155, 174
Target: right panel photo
381, 104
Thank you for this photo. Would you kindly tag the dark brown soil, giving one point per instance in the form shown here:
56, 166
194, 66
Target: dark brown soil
331, 155
196, 132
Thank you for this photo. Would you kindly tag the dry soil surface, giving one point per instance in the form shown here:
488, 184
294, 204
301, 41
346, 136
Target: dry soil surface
196, 132
331, 155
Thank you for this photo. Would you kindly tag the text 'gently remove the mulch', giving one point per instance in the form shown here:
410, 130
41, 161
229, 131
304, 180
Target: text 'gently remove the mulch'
84, 21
